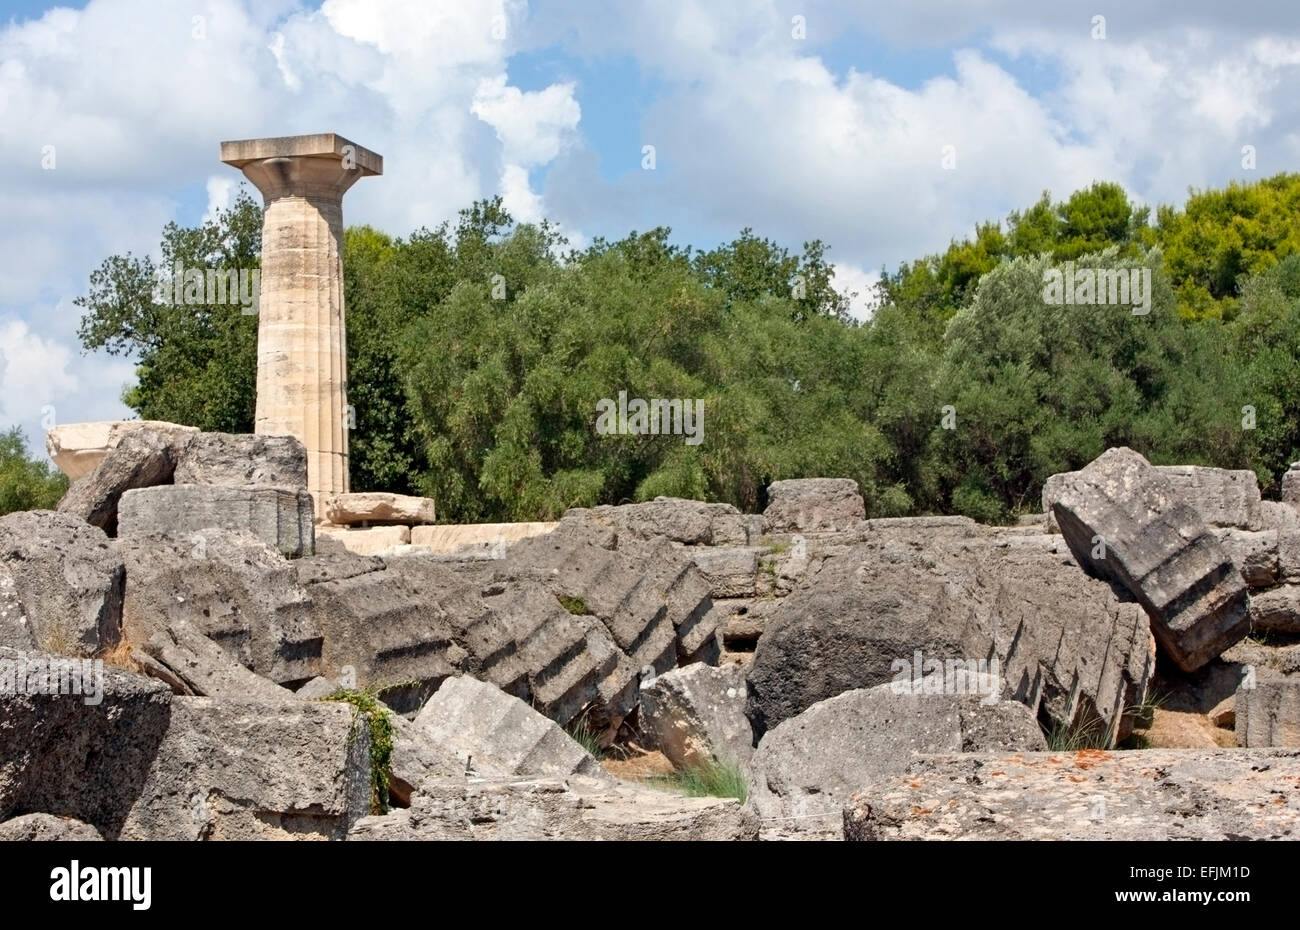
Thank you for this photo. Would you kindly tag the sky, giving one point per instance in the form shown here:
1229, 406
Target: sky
885, 130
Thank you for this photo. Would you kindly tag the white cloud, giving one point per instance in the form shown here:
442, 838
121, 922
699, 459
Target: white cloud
221, 190
751, 127
136, 97
531, 126
35, 372
860, 285
755, 130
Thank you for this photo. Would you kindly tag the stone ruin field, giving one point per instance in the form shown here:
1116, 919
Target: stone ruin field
1125, 665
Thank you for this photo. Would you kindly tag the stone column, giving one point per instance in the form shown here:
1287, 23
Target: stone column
301, 335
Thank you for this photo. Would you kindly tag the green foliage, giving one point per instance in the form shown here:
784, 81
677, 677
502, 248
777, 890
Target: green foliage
1077, 736
928, 291
574, 605
503, 390
196, 362
478, 350
714, 780
585, 736
25, 483
1222, 236
366, 704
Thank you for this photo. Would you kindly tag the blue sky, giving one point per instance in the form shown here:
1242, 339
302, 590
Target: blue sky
800, 119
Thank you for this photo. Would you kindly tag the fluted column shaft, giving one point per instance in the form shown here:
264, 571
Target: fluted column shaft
301, 336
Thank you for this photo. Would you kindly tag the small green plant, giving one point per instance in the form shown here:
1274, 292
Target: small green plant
574, 605
1262, 637
1143, 713
717, 779
584, 736
1071, 737
1143, 716
381, 741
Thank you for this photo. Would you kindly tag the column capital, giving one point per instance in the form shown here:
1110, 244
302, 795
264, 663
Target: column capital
318, 165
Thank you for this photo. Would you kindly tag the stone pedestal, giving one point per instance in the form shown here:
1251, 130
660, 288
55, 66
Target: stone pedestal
301, 336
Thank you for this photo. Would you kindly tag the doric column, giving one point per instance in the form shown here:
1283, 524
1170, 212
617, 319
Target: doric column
301, 330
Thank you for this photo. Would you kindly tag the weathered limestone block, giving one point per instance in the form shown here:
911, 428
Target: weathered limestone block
374, 540
553, 809
378, 508
319, 687
1051, 493
813, 505
694, 523
242, 460
1155, 794
280, 517
696, 716
251, 770
64, 756
1222, 496
804, 770
46, 828
233, 588
144, 458
491, 539
1268, 714
780, 571
494, 733
919, 529
648, 594
1274, 515
1276, 610
301, 349
15, 629
1288, 555
1270, 661
415, 758
1254, 554
672, 582
403, 627
67, 578
567, 664
730, 571
1067, 645
192, 664
742, 621
1291, 485
844, 632
1156, 546
76, 448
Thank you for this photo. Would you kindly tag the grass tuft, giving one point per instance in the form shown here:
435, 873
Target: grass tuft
715, 780
1071, 737
585, 737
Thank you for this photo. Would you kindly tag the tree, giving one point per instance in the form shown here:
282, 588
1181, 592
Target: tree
1040, 388
196, 361
479, 350
26, 484
1222, 236
749, 268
